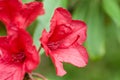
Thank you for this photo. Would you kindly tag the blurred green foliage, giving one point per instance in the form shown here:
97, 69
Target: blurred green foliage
103, 42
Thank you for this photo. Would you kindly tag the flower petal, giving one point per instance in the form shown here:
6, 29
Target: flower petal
67, 29
11, 72
9, 9
76, 55
15, 15
64, 41
3, 42
78, 34
23, 41
32, 59
82, 28
68, 35
20, 40
31, 11
44, 40
32, 56
60, 16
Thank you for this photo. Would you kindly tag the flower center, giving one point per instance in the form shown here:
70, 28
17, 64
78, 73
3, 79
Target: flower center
53, 45
19, 57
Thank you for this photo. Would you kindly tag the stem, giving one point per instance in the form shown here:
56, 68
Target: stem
39, 75
39, 49
30, 76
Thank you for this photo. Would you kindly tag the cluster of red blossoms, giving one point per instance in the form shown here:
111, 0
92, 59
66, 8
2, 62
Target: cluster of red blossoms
63, 43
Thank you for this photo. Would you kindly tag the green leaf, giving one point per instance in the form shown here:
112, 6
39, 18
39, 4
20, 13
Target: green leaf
112, 46
3, 31
64, 3
44, 21
26, 1
112, 8
92, 15
118, 33
96, 31
81, 10
32, 27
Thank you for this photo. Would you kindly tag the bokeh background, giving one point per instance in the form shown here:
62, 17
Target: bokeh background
103, 42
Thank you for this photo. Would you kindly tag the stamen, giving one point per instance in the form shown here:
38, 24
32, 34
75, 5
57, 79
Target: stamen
37, 75
18, 57
40, 76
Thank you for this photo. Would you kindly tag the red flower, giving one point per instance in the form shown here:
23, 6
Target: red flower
17, 56
13, 13
64, 41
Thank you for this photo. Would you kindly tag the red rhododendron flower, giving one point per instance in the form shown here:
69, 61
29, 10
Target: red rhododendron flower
13, 13
64, 41
18, 56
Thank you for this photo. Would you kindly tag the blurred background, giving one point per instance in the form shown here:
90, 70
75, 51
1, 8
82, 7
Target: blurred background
103, 41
